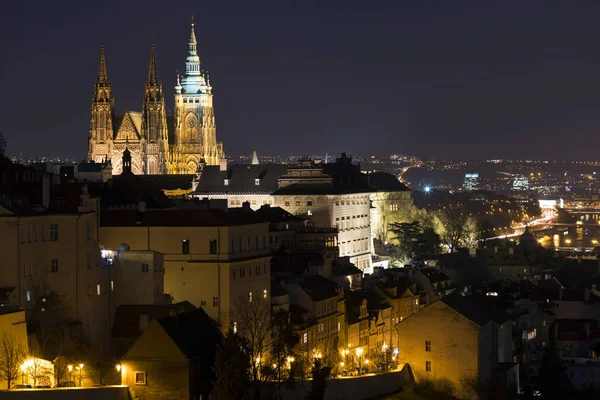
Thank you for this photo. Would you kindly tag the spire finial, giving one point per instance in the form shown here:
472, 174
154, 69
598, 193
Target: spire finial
153, 70
192, 21
102, 75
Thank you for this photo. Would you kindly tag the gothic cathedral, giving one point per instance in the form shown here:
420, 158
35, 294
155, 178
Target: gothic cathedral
158, 143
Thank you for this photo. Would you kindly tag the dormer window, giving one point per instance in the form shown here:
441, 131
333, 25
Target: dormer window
226, 182
257, 181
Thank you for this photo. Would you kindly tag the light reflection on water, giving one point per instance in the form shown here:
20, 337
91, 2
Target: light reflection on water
586, 235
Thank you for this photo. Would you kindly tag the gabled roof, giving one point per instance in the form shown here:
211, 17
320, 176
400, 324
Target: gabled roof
194, 333
130, 127
242, 179
127, 317
319, 288
385, 182
475, 308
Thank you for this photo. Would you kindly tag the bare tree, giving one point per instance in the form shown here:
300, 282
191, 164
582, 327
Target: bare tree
37, 368
252, 321
47, 317
12, 355
455, 228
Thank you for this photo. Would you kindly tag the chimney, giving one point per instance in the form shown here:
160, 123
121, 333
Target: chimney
223, 164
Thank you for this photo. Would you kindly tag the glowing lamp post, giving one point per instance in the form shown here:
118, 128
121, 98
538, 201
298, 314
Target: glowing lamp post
119, 367
23, 374
70, 368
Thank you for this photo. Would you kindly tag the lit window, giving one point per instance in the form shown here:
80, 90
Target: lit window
226, 182
265, 293
112, 286
417, 301
339, 326
428, 366
140, 377
28, 295
249, 297
305, 337
235, 327
98, 291
257, 181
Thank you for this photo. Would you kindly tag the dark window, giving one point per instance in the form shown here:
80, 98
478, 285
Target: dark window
264, 242
213, 246
233, 273
428, 345
185, 246
232, 246
144, 267
53, 232
215, 302
428, 366
265, 268
248, 248
256, 243
309, 203
54, 265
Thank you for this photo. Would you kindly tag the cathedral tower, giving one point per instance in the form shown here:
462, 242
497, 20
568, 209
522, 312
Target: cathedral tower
154, 122
100, 140
195, 132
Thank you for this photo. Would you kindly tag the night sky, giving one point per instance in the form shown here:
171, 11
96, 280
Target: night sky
462, 79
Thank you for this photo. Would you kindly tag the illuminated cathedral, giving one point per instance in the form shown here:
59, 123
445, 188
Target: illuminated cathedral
158, 144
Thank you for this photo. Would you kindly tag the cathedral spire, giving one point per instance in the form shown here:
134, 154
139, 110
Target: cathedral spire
153, 70
192, 65
102, 75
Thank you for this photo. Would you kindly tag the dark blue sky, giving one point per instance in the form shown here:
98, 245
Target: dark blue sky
462, 79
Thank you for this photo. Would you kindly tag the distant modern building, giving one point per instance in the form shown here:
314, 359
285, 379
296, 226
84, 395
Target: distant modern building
471, 181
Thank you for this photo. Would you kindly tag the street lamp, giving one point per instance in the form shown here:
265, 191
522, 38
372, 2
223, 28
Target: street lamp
120, 374
70, 367
23, 374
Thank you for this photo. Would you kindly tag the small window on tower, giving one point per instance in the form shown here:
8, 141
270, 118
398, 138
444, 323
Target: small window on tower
257, 181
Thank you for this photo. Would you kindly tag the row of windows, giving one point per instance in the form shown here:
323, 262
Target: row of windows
254, 202
90, 289
298, 203
354, 246
242, 271
37, 233
351, 202
241, 247
212, 246
191, 100
28, 269
354, 222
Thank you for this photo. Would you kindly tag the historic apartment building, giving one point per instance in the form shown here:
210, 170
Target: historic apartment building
159, 144
57, 251
210, 257
330, 195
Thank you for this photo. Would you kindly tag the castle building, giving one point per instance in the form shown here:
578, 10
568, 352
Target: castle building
159, 144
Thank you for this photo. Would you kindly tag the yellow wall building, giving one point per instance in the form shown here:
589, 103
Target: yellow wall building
210, 257
457, 338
